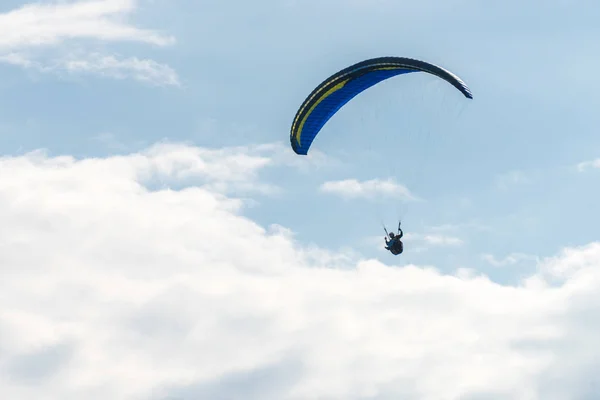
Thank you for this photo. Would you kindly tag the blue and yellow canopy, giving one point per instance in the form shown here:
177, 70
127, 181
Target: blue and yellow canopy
341, 87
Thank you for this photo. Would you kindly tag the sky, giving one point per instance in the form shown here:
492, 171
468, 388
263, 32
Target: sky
160, 240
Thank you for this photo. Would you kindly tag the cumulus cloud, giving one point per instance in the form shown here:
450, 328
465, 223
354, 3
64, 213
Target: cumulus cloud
224, 170
114, 289
60, 36
370, 189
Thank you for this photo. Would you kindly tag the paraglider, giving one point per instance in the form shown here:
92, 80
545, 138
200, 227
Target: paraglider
394, 245
337, 90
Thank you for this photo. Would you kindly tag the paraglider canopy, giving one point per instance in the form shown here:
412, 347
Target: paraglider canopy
331, 95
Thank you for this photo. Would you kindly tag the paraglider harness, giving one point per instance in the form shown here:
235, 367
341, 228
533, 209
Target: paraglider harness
394, 245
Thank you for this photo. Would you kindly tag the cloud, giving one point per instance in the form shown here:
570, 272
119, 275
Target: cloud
281, 154
511, 259
230, 169
371, 189
141, 70
114, 289
16, 59
35, 25
435, 239
572, 262
147, 71
50, 37
225, 170
584, 166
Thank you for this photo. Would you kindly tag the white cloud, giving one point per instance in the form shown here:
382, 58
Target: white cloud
226, 170
573, 262
511, 259
142, 70
371, 189
584, 166
435, 239
50, 24
110, 290
282, 154
16, 59
230, 170
38, 35
147, 71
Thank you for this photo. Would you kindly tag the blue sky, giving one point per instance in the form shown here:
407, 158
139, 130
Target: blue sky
242, 71
200, 95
